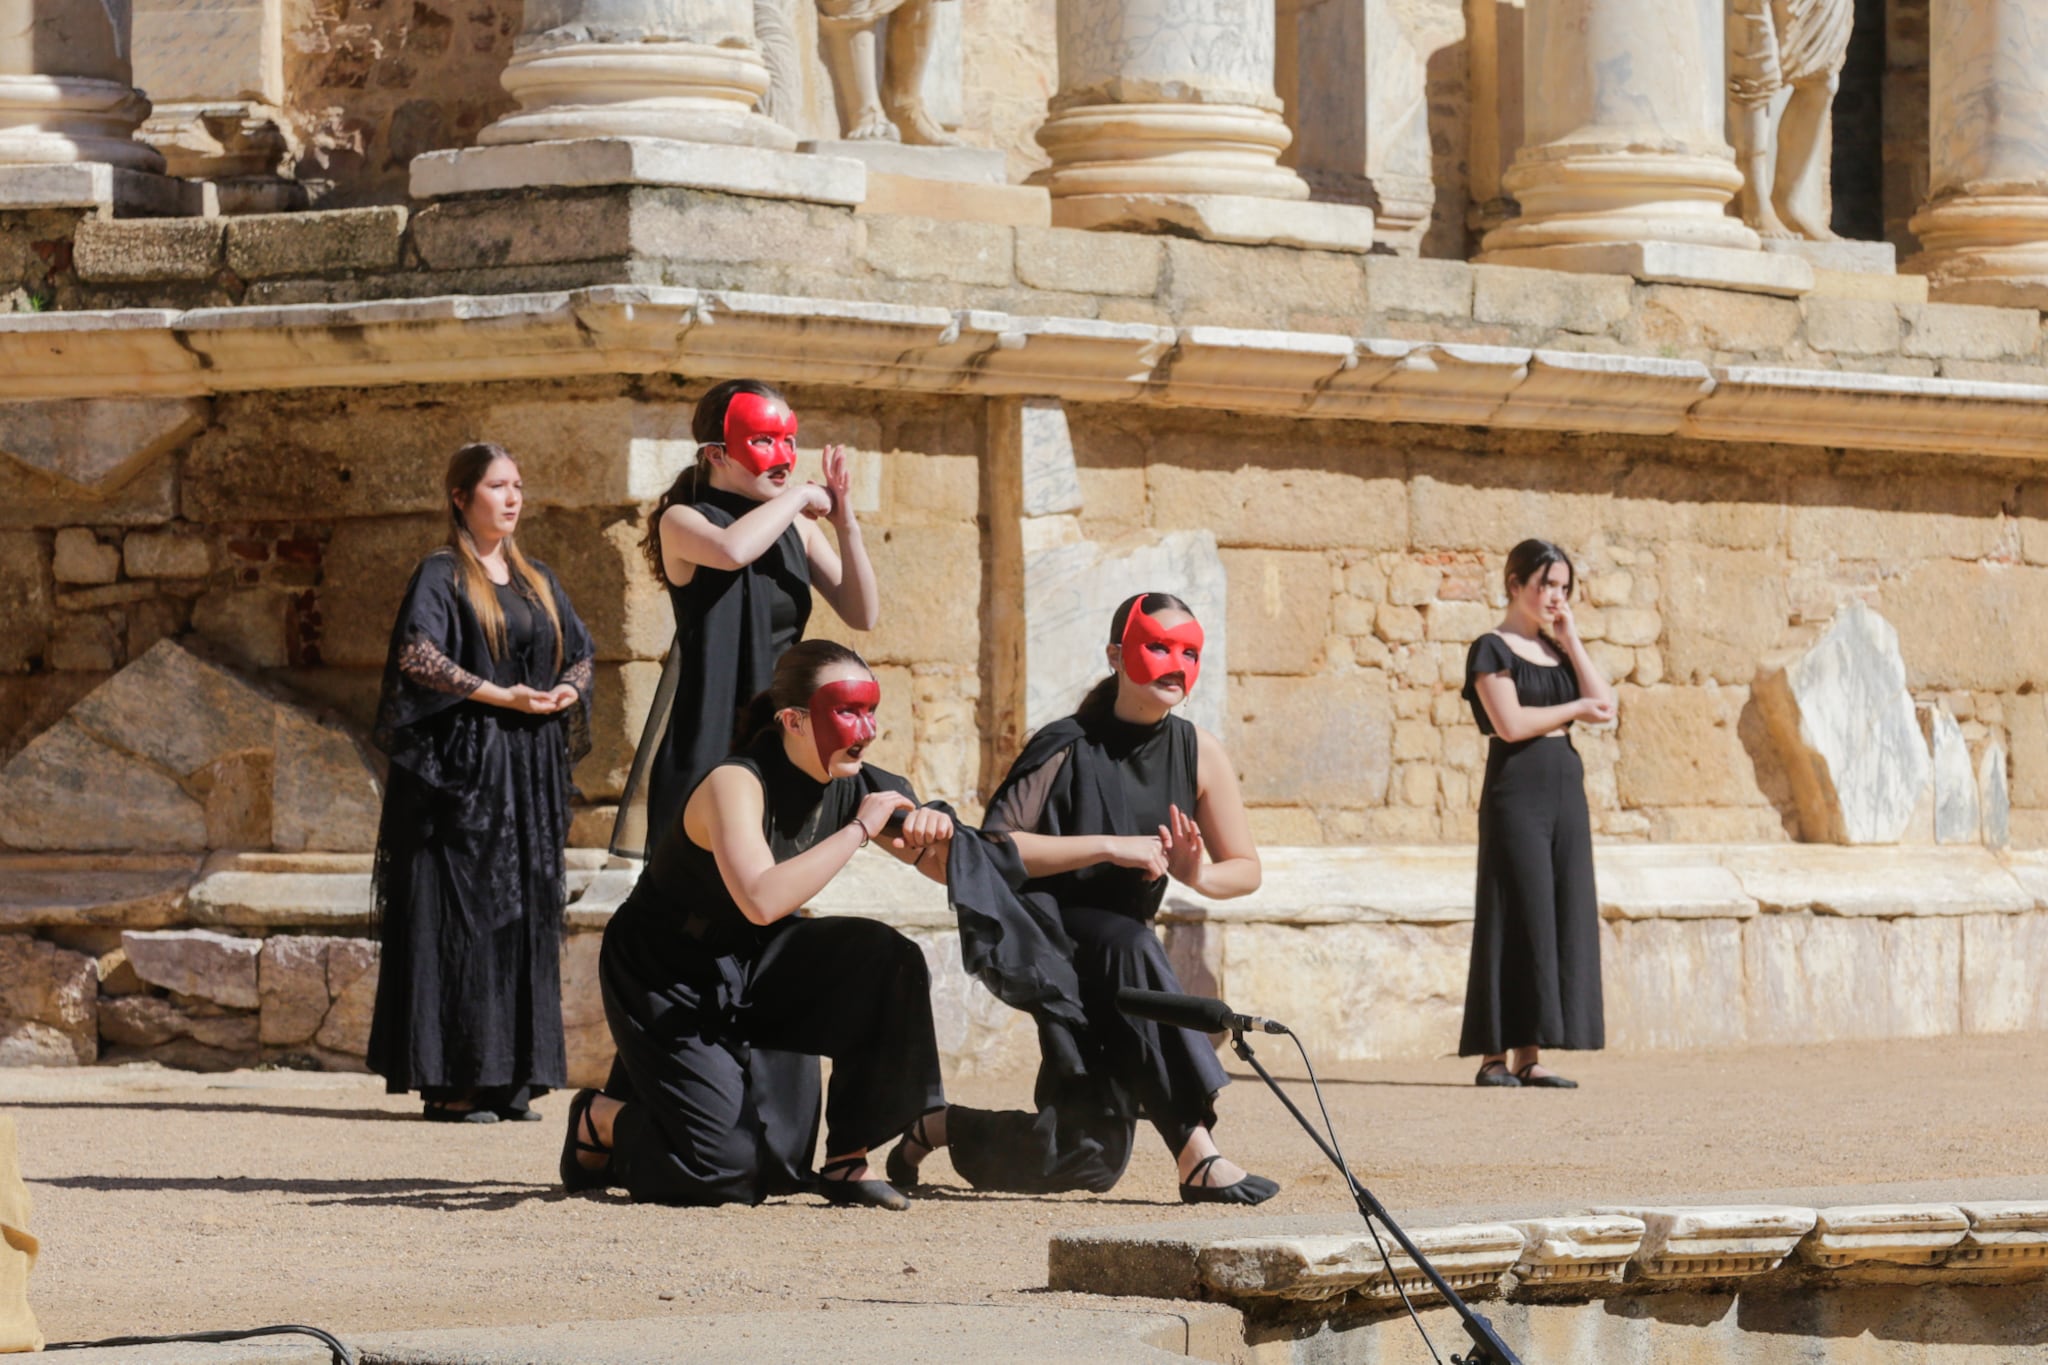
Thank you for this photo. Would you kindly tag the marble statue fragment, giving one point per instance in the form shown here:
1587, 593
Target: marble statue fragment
882, 100
1794, 51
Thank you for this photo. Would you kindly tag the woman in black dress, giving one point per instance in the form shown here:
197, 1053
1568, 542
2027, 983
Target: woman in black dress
708, 960
1102, 807
1535, 977
485, 709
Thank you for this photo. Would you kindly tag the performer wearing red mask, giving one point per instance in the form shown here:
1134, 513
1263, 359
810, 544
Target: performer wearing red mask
1102, 808
737, 542
707, 961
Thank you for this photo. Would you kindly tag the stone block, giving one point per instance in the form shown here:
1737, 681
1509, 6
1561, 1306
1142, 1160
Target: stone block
1672, 983
57, 793
1715, 320
352, 983
148, 250
162, 554
587, 1037
1408, 286
1896, 521
956, 253
1458, 622
914, 570
340, 241
954, 201
291, 980
1279, 609
1890, 1234
1834, 881
1977, 626
364, 570
216, 713
1956, 818
1994, 798
1325, 741
1589, 1249
1842, 722
1298, 508
1239, 218
2004, 1235
1852, 326
81, 558
197, 962
732, 170
1125, 263
1235, 286
92, 890
2004, 957
1682, 746
1670, 264
1969, 332
249, 624
26, 601
1549, 300
325, 795
98, 444
1715, 1243
1398, 624
1725, 611
49, 1004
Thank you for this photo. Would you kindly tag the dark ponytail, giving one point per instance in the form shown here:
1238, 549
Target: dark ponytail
796, 678
707, 428
1100, 703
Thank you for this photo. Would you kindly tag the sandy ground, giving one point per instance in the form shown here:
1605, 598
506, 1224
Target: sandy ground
173, 1202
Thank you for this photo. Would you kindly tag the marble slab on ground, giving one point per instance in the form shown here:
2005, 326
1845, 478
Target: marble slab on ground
1841, 255
1832, 880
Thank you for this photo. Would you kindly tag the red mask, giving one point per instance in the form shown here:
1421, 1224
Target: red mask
843, 715
748, 417
1151, 651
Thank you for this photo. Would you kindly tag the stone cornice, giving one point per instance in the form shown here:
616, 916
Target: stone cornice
650, 330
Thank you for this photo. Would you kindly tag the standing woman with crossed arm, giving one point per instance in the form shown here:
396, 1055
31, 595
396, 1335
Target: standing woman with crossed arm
1535, 976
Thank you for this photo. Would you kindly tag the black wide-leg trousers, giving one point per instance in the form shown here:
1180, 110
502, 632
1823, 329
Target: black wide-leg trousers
1535, 973
1079, 1138
698, 1126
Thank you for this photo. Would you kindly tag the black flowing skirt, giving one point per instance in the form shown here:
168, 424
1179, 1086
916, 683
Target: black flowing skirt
471, 890
1535, 975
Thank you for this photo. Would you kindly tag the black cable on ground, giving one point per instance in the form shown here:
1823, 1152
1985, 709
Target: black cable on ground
341, 1353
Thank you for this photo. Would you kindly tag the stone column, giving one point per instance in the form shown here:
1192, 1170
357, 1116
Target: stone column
683, 70
67, 93
1624, 168
1985, 227
1166, 118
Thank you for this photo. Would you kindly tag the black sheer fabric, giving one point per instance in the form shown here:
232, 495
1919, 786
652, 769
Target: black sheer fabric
695, 993
468, 880
1093, 1081
731, 626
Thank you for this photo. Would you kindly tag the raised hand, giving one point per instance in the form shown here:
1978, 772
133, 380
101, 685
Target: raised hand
1182, 841
839, 483
816, 499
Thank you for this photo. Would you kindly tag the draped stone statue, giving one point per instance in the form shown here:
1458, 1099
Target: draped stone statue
892, 108
1794, 49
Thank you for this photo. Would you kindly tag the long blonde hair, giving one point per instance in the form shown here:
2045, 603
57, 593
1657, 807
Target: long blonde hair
466, 469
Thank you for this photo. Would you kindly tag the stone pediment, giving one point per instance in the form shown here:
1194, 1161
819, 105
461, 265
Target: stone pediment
176, 753
95, 443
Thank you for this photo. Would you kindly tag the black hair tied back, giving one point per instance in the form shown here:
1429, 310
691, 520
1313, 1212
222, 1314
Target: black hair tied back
796, 678
1101, 699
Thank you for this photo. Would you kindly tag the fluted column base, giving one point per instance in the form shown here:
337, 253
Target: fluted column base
1986, 248
66, 120
676, 91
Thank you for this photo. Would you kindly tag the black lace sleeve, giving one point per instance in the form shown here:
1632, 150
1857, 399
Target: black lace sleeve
579, 676
427, 666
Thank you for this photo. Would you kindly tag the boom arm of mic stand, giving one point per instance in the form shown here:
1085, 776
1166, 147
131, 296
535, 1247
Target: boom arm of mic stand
1487, 1347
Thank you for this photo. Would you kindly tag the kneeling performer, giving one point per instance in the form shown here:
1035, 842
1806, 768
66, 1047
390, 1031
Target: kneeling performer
708, 959
1102, 807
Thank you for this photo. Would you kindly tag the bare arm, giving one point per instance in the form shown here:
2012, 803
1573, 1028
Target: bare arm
926, 841
1220, 827
1593, 683
1045, 855
842, 574
688, 538
724, 815
1515, 722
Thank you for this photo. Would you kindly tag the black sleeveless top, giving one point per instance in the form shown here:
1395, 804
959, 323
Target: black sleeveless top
1101, 776
782, 574
1535, 684
681, 905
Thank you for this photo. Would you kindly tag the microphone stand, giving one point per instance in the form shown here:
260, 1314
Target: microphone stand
1487, 1347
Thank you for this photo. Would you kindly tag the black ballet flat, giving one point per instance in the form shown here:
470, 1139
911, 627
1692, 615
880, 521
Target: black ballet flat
1253, 1189
435, 1112
1551, 1082
577, 1177
1495, 1073
527, 1115
902, 1172
864, 1194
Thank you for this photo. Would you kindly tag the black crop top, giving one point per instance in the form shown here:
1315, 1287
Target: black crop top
1535, 684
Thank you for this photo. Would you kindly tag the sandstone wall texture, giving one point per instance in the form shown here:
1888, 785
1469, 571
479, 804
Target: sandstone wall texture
1362, 559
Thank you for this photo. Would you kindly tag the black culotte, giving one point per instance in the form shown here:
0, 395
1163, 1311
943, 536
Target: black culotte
693, 1129
1535, 975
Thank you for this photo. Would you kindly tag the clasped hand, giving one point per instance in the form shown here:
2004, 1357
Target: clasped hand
922, 826
1176, 851
538, 703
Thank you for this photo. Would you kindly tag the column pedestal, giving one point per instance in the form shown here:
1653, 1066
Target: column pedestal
1167, 120
639, 92
1985, 228
1624, 169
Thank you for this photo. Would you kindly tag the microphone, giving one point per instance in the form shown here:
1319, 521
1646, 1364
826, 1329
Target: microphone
1197, 1012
